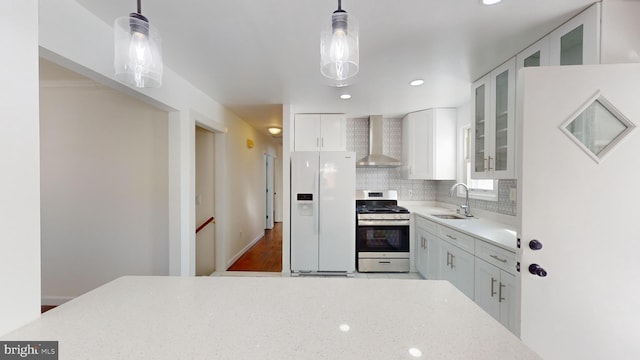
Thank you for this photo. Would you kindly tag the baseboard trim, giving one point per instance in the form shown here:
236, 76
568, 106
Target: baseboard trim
55, 300
244, 250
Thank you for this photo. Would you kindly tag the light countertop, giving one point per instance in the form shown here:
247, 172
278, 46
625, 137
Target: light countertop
497, 233
273, 318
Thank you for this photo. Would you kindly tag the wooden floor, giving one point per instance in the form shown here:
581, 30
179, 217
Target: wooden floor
265, 255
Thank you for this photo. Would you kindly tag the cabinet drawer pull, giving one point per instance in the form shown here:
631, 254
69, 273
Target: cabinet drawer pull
493, 291
452, 237
500, 298
489, 164
452, 258
497, 258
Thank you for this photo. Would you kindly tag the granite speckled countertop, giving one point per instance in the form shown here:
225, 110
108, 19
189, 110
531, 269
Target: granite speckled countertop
273, 318
497, 233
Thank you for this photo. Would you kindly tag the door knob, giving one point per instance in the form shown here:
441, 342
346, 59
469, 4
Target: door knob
536, 269
535, 245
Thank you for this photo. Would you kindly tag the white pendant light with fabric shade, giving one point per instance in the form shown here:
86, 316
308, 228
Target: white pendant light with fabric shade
138, 51
339, 49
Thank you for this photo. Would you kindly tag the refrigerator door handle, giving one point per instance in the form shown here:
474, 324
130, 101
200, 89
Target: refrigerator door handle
316, 202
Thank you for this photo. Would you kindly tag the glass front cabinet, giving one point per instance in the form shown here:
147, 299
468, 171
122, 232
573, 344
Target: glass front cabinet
493, 124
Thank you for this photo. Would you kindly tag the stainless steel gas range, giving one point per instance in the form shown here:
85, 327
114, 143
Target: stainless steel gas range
382, 232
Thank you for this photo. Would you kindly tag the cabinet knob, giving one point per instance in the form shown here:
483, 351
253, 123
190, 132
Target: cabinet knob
535, 245
536, 269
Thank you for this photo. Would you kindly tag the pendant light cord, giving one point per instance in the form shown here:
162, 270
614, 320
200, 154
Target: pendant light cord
339, 4
140, 7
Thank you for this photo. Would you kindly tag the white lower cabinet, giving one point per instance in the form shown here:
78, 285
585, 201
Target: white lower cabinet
426, 253
482, 271
456, 266
422, 259
496, 293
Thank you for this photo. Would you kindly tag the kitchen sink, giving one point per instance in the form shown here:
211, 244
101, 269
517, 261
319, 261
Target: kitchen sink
451, 217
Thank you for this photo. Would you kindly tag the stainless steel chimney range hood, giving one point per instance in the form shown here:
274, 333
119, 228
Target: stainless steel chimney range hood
376, 158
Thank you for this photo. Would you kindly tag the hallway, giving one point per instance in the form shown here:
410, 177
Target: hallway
265, 255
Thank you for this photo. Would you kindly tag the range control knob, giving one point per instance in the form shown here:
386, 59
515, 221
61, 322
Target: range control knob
536, 269
535, 245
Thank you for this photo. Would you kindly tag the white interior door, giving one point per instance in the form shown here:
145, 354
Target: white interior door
584, 211
268, 198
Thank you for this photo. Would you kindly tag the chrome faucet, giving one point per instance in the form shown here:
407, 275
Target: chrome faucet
465, 207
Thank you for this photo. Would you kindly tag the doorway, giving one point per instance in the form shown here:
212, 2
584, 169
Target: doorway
205, 202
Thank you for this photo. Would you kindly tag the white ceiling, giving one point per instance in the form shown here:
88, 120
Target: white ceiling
266, 52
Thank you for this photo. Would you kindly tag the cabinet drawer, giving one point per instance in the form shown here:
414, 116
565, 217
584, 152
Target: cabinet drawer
426, 225
504, 259
457, 238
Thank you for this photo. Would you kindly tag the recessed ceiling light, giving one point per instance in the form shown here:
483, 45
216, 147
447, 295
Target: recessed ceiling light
490, 2
416, 82
345, 96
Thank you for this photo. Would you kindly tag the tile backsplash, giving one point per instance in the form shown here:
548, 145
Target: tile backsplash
372, 178
503, 206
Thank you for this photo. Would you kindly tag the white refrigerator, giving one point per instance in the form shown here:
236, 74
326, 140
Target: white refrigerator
323, 220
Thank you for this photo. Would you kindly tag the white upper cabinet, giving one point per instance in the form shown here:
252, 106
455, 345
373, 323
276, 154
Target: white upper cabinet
429, 144
577, 42
320, 132
493, 124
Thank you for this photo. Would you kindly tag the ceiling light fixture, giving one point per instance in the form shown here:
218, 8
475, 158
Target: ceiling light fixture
345, 96
490, 2
275, 130
416, 82
339, 52
138, 53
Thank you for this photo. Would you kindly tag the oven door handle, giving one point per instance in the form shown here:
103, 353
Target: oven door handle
384, 222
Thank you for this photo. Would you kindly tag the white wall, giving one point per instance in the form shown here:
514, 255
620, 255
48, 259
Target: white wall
287, 147
278, 186
104, 186
19, 161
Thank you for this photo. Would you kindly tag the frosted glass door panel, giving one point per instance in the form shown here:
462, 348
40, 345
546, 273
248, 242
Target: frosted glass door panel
533, 60
479, 151
571, 47
502, 121
598, 128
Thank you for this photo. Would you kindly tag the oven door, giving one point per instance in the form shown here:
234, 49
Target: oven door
382, 238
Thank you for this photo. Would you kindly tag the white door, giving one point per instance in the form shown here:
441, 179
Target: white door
584, 211
268, 194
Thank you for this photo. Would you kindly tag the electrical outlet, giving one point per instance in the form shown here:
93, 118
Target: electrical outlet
411, 194
512, 194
